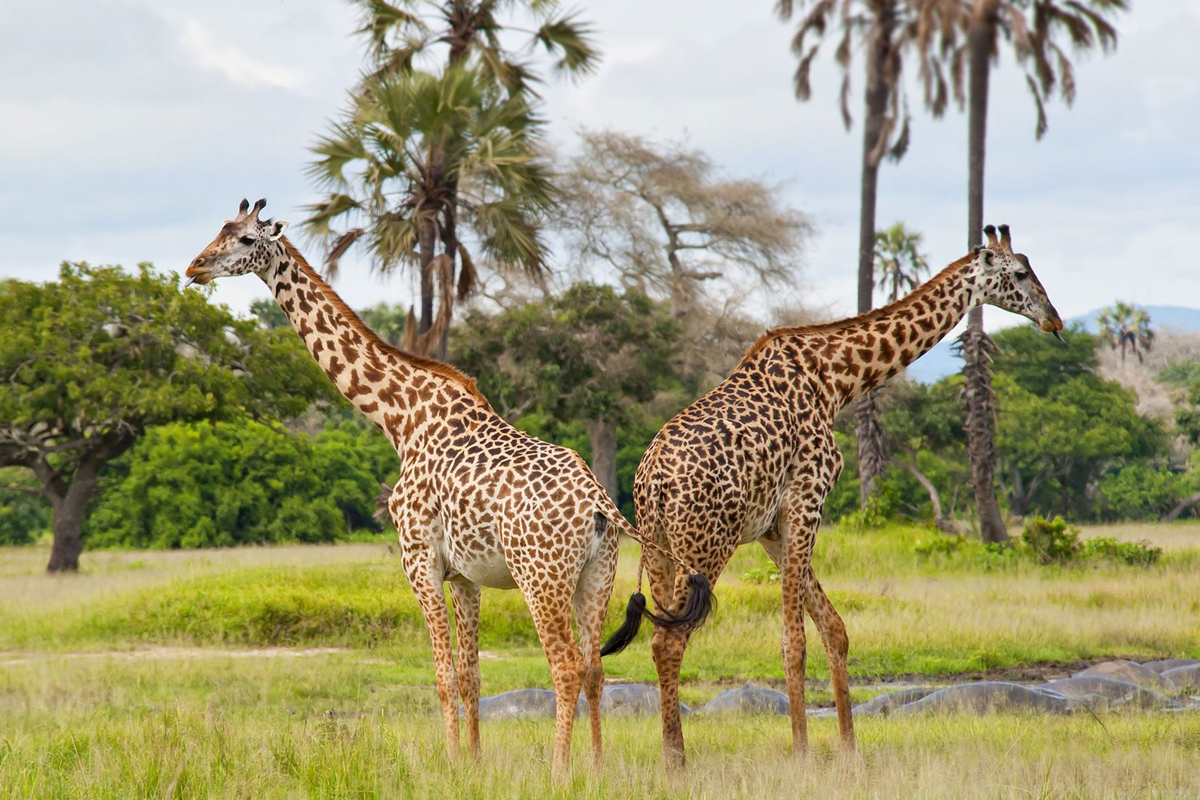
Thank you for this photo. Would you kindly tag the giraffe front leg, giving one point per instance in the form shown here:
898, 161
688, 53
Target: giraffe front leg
418, 563
466, 598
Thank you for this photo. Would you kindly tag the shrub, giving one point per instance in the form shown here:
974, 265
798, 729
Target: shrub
238, 483
1135, 554
1052, 541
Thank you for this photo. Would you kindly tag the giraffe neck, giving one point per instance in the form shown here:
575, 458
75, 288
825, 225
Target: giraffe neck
403, 394
866, 350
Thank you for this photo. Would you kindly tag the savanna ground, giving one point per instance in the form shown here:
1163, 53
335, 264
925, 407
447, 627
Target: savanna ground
306, 672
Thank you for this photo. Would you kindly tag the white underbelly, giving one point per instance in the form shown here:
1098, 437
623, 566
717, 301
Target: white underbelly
490, 570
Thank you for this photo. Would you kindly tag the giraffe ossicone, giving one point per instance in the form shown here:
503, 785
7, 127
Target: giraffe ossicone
478, 503
754, 459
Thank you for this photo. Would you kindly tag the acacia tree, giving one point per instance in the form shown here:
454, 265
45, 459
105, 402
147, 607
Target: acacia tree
590, 355
1128, 328
416, 159
92, 360
968, 38
437, 197
886, 31
660, 218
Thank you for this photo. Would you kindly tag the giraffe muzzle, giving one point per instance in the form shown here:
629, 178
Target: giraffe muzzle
197, 273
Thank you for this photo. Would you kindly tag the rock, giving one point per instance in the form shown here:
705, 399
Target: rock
1186, 677
1130, 672
1112, 692
987, 696
636, 699
523, 704
887, 703
1170, 663
749, 698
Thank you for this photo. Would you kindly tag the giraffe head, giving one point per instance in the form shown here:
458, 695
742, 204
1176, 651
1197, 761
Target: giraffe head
1005, 279
245, 244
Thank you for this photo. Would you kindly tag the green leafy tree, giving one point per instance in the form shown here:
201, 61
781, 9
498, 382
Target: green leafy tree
589, 355
417, 159
91, 361
238, 483
1127, 328
269, 314
24, 512
1058, 434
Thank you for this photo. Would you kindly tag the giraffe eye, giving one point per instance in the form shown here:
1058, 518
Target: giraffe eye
246, 240
1021, 274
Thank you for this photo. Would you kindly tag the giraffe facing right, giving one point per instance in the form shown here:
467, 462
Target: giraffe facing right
754, 459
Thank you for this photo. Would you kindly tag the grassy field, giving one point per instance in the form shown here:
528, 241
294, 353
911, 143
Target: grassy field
305, 672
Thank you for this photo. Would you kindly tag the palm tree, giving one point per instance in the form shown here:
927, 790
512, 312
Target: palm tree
886, 30
398, 37
899, 261
389, 166
967, 37
1127, 327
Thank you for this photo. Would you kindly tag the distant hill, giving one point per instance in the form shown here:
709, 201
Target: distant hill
940, 362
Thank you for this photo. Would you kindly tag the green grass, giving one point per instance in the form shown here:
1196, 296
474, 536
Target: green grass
177, 675
905, 613
347, 725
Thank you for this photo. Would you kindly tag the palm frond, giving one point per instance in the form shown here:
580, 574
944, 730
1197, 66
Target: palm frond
573, 41
338, 249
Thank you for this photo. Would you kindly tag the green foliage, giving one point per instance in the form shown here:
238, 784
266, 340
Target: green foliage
23, 516
1184, 374
768, 573
1052, 541
240, 483
878, 511
1135, 554
1037, 363
1145, 492
1062, 426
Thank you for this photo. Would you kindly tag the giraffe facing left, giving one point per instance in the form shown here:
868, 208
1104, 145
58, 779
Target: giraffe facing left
478, 503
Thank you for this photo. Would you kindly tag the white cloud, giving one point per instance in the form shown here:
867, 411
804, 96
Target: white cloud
233, 63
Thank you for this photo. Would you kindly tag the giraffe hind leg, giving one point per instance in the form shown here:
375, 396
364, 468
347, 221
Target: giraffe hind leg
591, 602
837, 648
466, 599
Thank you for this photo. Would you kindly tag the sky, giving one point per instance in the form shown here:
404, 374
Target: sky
131, 129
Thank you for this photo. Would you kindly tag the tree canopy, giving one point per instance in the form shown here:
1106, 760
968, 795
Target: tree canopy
101, 355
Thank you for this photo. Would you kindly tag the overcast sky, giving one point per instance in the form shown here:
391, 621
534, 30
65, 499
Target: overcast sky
130, 129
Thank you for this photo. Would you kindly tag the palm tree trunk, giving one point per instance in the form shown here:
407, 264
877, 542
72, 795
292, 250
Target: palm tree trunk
867, 431
976, 343
427, 242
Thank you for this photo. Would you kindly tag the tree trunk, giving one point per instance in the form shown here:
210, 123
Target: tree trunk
940, 519
976, 343
427, 242
1182, 506
603, 436
69, 509
867, 431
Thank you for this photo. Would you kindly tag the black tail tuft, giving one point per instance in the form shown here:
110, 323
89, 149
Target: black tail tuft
700, 604
625, 634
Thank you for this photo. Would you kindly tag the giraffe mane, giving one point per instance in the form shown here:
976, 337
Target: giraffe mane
862, 319
440, 368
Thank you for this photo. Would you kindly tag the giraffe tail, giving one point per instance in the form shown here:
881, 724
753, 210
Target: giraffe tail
697, 608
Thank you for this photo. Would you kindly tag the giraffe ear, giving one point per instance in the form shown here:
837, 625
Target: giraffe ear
985, 255
275, 229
